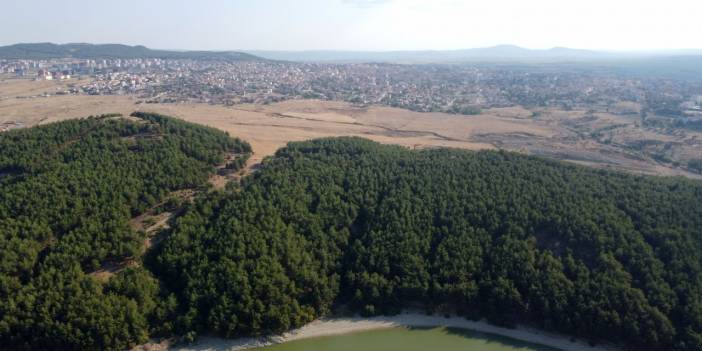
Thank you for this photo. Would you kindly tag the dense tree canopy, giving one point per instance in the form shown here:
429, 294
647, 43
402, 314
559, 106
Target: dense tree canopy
67, 193
511, 238
332, 223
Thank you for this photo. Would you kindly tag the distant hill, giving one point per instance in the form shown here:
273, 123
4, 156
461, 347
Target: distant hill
494, 53
95, 51
677, 64
500, 53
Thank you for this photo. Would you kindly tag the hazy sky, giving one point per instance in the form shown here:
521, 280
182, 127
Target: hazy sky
357, 24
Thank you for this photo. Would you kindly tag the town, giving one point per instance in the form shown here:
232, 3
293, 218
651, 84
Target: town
453, 88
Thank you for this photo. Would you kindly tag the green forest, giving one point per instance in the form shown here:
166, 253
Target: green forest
328, 225
67, 193
514, 239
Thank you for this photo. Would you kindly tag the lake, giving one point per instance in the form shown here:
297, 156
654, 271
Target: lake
409, 339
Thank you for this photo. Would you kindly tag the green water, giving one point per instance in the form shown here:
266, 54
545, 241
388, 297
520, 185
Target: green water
414, 339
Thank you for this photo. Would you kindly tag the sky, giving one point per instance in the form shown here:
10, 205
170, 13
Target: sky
377, 25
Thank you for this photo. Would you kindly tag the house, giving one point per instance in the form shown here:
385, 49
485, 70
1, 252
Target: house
44, 75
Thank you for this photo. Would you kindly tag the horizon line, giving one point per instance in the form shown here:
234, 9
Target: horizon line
514, 46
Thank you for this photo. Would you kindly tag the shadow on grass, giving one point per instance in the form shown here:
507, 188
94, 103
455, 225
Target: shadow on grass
489, 338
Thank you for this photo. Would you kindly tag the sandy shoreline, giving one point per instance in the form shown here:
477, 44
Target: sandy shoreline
338, 326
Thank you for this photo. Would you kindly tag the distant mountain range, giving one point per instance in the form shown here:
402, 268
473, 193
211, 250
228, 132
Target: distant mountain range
501, 53
685, 64
101, 51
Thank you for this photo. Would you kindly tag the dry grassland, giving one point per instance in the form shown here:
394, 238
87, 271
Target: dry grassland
554, 133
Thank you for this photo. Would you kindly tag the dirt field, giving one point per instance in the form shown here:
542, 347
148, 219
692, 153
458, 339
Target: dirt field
577, 136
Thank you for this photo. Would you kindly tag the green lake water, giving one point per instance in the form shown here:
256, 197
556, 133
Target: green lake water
409, 339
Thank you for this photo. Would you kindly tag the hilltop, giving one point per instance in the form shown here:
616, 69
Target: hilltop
78, 203
509, 238
39, 51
